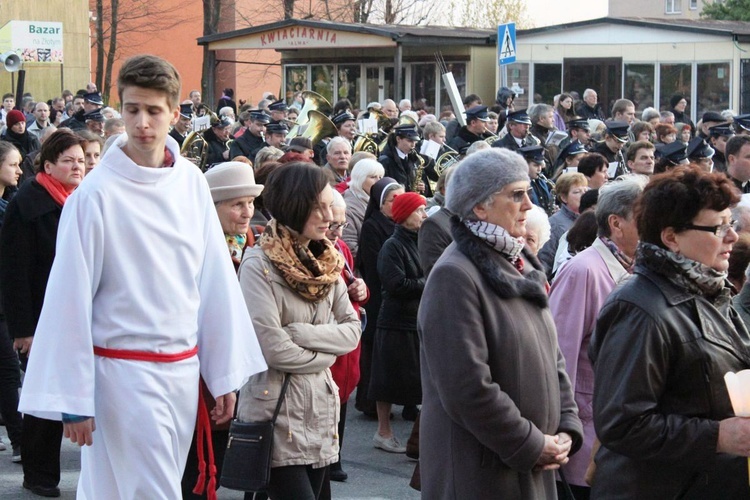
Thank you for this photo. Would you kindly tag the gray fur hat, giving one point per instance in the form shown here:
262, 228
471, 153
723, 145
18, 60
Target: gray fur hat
480, 175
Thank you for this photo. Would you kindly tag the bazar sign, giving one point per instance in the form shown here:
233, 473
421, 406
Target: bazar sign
33, 41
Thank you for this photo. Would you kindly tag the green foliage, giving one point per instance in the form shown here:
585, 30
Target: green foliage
728, 10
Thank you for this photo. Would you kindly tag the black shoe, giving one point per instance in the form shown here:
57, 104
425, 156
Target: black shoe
337, 474
42, 491
410, 413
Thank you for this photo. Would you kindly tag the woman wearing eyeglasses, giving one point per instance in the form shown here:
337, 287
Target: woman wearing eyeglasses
498, 415
568, 191
661, 347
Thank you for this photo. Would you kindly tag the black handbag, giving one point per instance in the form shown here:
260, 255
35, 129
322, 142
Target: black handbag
247, 462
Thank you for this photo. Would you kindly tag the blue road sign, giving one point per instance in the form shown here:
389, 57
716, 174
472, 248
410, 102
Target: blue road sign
506, 43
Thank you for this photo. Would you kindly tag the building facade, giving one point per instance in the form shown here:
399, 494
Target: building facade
644, 60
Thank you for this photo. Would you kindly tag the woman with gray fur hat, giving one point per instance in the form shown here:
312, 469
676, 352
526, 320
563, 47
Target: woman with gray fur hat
493, 378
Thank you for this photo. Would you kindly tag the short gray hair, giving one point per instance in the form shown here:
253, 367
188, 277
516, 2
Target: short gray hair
337, 140
537, 221
649, 114
618, 198
338, 200
477, 146
481, 175
539, 110
362, 170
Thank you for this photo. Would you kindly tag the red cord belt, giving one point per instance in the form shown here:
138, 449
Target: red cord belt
204, 424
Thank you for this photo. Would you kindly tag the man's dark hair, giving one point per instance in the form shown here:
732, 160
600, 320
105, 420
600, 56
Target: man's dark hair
472, 98
735, 144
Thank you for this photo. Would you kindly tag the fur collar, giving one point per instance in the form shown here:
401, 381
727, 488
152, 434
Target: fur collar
497, 271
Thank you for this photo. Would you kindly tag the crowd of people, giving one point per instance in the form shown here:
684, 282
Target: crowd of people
544, 291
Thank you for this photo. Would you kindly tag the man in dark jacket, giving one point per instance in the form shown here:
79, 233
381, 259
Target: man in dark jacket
518, 132
252, 141
611, 147
474, 130
91, 102
590, 108
182, 126
216, 141
718, 136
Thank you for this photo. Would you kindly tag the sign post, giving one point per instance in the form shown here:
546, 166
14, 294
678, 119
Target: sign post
506, 48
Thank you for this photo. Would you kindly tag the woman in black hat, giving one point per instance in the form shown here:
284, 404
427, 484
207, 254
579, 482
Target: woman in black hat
401, 161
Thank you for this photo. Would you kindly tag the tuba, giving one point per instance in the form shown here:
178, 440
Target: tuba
195, 149
365, 143
319, 127
312, 102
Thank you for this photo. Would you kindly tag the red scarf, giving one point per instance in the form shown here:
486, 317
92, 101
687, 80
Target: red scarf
55, 188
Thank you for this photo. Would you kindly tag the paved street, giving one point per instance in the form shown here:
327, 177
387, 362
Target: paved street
373, 474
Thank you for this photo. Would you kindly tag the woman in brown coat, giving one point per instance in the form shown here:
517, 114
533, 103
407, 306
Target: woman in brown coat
498, 414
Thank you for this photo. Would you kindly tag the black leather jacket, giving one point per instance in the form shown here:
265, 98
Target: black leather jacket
660, 354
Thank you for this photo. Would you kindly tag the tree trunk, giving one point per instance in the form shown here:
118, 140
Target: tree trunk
288, 9
99, 77
112, 52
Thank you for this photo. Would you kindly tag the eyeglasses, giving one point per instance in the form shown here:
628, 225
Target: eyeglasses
335, 226
721, 230
518, 195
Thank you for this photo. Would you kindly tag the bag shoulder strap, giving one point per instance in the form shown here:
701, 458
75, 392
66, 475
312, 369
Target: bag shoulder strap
281, 397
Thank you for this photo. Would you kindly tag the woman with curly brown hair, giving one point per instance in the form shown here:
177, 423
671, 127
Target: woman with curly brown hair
662, 344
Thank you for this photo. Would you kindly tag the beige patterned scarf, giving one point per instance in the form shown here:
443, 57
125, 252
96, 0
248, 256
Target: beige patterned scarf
310, 275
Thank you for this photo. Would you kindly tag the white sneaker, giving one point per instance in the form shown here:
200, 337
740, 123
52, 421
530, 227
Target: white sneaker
2, 445
391, 444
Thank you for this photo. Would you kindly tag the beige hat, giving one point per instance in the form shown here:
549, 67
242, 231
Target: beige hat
231, 180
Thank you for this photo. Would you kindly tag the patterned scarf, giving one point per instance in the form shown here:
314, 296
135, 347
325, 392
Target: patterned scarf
625, 261
498, 238
309, 275
691, 275
236, 244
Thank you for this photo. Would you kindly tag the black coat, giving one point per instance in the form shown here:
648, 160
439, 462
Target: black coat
174, 134
216, 148
395, 376
27, 250
247, 145
404, 171
402, 281
660, 354
25, 143
375, 231
463, 139
585, 111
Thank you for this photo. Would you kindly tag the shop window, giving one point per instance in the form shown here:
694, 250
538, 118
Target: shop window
547, 82
423, 84
459, 75
673, 7
388, 88
348, 83
322, 81
639, 85
744, 86
518, 81
373, 84
713, 87
296, 81
674, 79
693, 4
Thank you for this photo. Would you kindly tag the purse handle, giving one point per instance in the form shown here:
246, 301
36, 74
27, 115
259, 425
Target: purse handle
281, 397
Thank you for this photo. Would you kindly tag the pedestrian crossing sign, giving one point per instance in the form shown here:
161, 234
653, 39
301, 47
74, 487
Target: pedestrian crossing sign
506, 43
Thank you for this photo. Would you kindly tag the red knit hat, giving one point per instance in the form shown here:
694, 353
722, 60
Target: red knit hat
14, 117
405, 204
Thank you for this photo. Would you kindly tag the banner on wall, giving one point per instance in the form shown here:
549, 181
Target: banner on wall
33, 41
